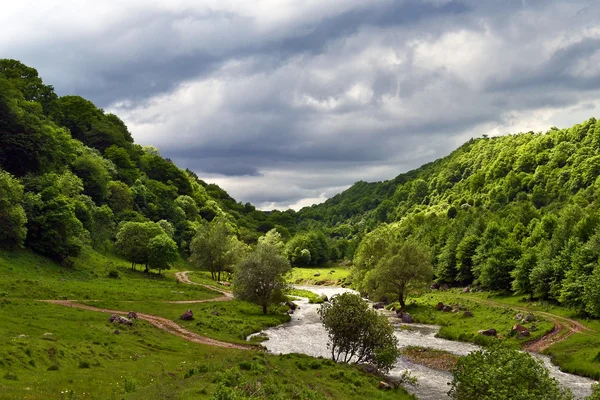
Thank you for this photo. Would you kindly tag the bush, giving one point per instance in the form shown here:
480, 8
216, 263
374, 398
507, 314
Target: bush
502, 373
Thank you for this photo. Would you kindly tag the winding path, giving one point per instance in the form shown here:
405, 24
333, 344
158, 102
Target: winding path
563, 327
164, 323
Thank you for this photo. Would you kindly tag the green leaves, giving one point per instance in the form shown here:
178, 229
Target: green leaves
500, 373
357, 333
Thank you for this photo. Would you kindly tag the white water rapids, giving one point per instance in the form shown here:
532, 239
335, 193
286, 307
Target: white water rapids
306, 335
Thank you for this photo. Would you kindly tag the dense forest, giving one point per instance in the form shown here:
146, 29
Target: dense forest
518, 212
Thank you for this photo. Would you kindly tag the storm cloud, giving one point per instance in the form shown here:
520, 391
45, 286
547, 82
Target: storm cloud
286, 103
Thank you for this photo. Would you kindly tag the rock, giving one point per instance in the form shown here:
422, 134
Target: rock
519, 317
332, 271
440, 306
467, 289
383, 385
407, 318
292, 306
317, 274
435, 286
132, 315
529, 318
23, 336
521, 331
447, 309
116, 332
119, 320
47, 334
215, 313
290, 312
465, 206
378, 306
467, 314
488, 332
224, 283
325, 298
187, 316
533, 328
444, 287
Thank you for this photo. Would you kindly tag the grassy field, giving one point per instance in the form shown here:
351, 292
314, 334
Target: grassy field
49, 351
28, 276
578, 354
230, 321
455, 326
331, 275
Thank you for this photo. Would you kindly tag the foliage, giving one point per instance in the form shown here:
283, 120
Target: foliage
215, 248
260, 276
502, 373
358, 333
12, 214
162, 252
133, 241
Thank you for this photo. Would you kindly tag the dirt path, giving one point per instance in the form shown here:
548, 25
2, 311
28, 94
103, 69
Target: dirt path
183, 278
164, 323
159, 322
563, 326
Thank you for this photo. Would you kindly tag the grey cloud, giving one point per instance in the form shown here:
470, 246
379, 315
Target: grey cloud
281, 113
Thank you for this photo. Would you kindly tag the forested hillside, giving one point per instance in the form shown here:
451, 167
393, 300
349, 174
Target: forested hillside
70, 175
517, 212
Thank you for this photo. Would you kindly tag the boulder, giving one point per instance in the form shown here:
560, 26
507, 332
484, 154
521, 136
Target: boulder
447, 309
383, 385
317, 274
132, 315
407, 318
378, 306
440, 306
488, 332
187, 316
467, 314
119, 320
467, 289
529, 318
435, 286
519, 317
521, 331
325, 298
224, 283
292, 306
215, 313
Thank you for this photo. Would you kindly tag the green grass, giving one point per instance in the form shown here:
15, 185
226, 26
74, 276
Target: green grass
204, 278
84, 359
49, 351
307, 276
457, 327
230, 321
311, 296
579, 353
26, 275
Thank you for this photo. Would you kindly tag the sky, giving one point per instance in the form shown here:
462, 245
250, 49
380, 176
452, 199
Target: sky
285, 103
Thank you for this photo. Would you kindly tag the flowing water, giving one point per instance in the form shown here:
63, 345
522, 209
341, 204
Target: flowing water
306, 335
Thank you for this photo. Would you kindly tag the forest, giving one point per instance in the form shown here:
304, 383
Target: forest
512, 213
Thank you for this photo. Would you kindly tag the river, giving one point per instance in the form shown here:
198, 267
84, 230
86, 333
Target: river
306, 335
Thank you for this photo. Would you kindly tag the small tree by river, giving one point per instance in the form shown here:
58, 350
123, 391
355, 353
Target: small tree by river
357, 333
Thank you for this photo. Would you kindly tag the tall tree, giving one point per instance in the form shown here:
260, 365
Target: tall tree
260, 277
12, 214
215, 248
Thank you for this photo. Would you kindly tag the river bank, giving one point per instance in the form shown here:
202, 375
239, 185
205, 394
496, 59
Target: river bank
306, 335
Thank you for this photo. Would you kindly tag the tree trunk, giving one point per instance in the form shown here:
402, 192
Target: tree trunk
264, 308
219, 276
132, 266
401, 300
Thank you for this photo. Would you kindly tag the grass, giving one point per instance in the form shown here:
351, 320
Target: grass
311, 296
29, 276
230, 321
49, 351
54, 352
579, 353
455, 326
329, 275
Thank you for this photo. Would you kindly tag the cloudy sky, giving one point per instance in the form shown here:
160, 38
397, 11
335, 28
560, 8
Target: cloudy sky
285, 103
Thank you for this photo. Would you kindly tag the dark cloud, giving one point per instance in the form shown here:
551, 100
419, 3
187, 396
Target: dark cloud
286, 103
